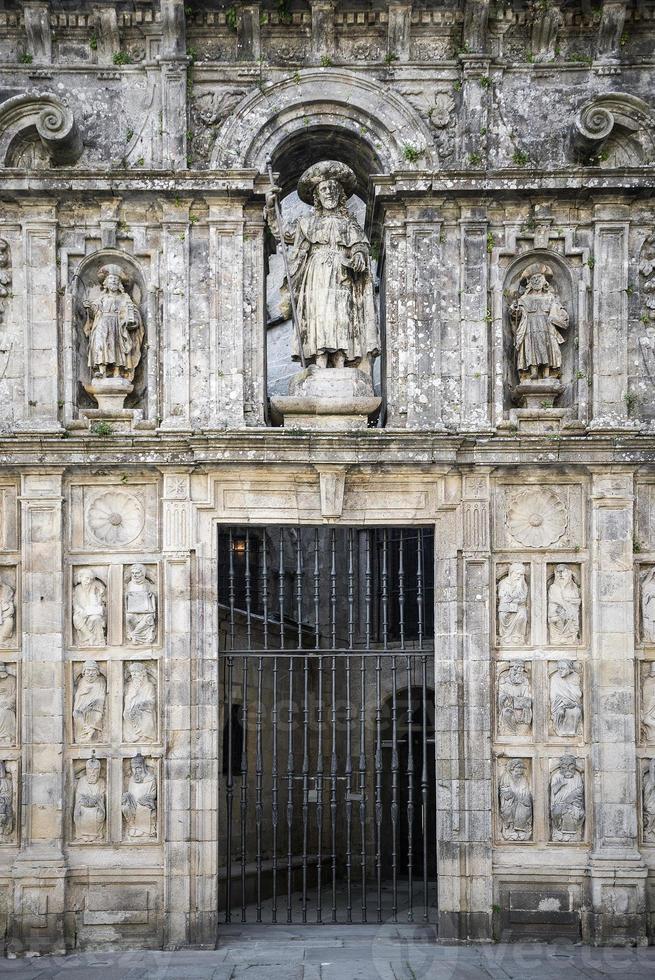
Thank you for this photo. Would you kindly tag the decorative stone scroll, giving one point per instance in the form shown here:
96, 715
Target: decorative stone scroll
515, 800
565, 699
89, 609
40, 119
139, 704
567, 801
515, 700
89, 703
7, 705
615, 129
139, 799
90, 803
513, 606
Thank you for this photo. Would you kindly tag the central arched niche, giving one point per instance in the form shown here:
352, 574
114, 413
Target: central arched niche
290, 159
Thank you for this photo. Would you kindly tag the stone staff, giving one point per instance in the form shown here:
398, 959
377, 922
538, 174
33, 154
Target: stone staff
285, 259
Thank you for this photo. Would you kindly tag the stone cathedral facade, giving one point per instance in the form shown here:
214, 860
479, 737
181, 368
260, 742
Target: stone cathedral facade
452, 554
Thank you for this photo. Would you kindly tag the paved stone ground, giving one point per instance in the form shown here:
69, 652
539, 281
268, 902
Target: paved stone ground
340, 953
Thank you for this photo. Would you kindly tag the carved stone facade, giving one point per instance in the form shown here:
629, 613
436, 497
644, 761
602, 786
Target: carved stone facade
497, 257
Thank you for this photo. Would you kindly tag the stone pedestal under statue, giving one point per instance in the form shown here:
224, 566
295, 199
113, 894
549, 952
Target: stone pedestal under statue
110, 393
327, 398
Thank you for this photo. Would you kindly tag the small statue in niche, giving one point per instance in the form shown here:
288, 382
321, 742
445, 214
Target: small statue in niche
89, 609
515, 701
515, 802
567, 806
139, 706
513, 605
139, 803
7, 707
330, 271
6, 802
114, 327
648, 787
140, 607
566, 699
648, 704
7, 612
90, 807
537, 316
648, 606
89, 703
564, 607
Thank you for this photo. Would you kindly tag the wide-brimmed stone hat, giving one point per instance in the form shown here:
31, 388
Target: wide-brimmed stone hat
112, 269
325, 170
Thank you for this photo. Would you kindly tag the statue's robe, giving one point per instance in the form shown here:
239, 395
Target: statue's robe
566, 703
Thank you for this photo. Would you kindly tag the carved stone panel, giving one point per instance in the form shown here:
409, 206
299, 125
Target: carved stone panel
8, 703
513, 604
110, 518
646, 600
8, 519
514, 698
140, 799
515, 800
564, 605
9, 811
89, 814
89, 606
647, 692
565, 698
566, 798
90, 703
648, 800
8, 606
536, 517
140, 711
140, 604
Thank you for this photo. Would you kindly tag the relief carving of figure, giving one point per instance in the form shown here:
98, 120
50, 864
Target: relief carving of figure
139, 706
89, 703
90, 609
648, 785
114, 327
139, 803
515, 701
7, 612
515, 802
648, 606
513, 605
6, 802
7, 707
564, 607
648, 704
140, 607
566, 699
330, 271
567, 805
90, 807
537, 316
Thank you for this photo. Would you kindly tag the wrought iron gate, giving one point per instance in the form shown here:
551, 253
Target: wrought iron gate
327, 809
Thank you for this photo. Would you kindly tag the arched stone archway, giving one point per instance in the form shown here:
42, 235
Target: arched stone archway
333, 101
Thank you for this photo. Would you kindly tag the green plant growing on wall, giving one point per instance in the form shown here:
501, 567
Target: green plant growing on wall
231, 18
412, 153
630, 400
326, 61
390, 57
520, 158
284, 11
122, 58
102, 429
485, 81
475, 159
491, 241
93, 42
25, 58
457, 86
192, 53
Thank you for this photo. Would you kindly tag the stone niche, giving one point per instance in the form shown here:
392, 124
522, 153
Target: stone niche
540, 402
111, 396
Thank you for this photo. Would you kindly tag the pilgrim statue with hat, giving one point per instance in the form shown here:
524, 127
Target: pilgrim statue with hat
115, 331
330, 274
537, 317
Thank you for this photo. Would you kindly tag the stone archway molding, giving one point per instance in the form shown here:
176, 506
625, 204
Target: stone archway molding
53, 122
344, 99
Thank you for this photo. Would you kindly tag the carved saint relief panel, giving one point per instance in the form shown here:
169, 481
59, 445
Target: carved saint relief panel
90, 801
89, 607
513, 604
515, 799
140, 702
648, 701
514, 699
8, 585
648, 801
8, 802
140, 799
89, 702
564, 605
140, 602
8, 686
567, 800
647, 605
565, 698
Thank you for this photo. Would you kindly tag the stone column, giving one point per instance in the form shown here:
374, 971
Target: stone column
474, 344
35, 279
174, 279
393, 307
39, 870
174, 113
463, 715
399, 29
248, 33
180, 765
610, 316
37, 27
617, 870
323, 40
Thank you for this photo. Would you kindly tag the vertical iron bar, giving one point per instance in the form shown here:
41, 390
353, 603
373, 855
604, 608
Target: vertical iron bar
410, 747
243, 806
290, 791
305, 777
424, 747
333, 762
394, 789
317, 592
349, 764
259, 805
274, 790
319, 747
362, 720
229, 788
280, 586
378, 783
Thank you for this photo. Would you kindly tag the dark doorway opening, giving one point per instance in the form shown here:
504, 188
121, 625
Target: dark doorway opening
327, 810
